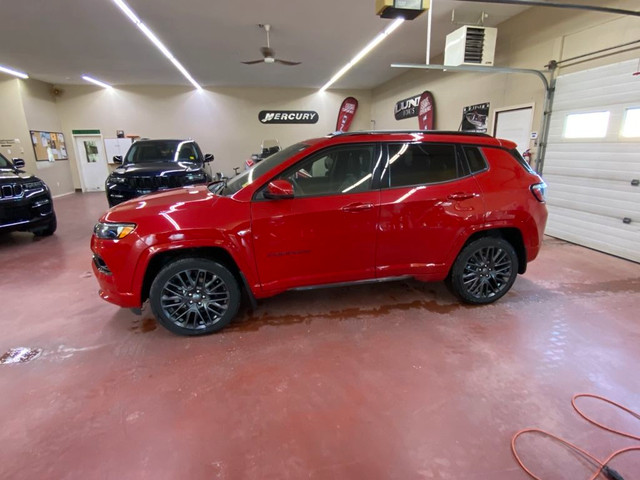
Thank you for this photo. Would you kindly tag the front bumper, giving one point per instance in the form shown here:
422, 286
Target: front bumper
25, 213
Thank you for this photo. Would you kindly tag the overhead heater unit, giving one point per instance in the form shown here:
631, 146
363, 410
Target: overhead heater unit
471, 45
407, 9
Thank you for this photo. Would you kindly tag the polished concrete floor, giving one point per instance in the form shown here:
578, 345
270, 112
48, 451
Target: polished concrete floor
392, 381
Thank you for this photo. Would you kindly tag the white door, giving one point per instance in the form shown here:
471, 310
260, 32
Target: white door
514, 123
92, 162
592, 164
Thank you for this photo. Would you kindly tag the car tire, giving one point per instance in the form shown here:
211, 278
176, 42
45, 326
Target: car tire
49, 229
484, 271
194, 296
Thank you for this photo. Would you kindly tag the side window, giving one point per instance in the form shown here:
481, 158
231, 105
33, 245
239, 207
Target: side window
476, 160
346, 169
421, 163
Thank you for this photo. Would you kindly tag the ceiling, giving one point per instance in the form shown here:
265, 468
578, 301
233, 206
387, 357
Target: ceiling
57, 42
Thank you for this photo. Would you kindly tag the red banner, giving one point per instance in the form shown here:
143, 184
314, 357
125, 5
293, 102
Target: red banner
346, 114
426, 111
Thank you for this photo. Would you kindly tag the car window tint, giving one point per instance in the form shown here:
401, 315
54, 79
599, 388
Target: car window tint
338, 170
475, 158
421, 163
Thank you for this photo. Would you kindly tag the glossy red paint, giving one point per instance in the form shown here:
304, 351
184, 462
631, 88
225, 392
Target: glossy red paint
279, 244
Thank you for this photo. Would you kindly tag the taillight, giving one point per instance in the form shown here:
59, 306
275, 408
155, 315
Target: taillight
539, 191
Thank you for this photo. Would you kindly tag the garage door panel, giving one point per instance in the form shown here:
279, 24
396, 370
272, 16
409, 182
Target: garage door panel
612, 236
590, 189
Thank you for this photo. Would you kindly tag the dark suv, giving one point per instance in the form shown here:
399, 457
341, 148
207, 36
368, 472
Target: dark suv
152, 165
25, 201
348, 208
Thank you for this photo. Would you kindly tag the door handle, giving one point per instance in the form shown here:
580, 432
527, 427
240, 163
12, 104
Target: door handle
357, 207
461, 196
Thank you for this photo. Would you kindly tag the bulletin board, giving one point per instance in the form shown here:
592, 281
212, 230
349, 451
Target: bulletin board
48, 146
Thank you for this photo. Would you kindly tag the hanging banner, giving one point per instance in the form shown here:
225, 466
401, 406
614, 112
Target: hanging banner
407, 108
346, 114
426, 111
474, 118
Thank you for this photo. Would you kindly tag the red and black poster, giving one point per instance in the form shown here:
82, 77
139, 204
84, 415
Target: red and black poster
426, 111
346, 114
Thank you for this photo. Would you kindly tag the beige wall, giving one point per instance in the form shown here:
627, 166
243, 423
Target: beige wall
528, 40
41, 113
13, 124
223, 121
26, 105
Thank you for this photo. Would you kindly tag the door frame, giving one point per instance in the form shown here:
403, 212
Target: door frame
78, 160
512, 108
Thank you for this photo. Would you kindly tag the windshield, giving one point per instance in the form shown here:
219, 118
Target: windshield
4, 163
248, 177
162, 151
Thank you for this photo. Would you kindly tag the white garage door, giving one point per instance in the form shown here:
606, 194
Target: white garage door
592, 165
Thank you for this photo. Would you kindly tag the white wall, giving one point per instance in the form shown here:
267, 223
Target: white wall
223, 121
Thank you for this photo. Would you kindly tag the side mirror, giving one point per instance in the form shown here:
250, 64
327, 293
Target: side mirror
279, 190
208, 157
117, 159
18, 162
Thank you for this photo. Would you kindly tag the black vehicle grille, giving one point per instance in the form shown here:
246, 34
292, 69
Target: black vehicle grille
10, 190
154, 183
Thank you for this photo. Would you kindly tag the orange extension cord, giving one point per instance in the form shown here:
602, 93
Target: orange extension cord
602, 466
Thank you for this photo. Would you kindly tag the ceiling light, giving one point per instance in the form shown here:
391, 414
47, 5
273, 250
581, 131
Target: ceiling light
360, 55
155, 40
95, 82
10, 71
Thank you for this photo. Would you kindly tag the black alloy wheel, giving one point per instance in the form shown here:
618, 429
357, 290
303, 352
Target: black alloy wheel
194, 296
484, 271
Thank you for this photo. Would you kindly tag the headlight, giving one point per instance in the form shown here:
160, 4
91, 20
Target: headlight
32, 185
113, 231
117, 180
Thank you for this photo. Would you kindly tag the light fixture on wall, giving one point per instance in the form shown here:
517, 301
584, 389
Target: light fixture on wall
95, 81
362, 53
11, 71
155, 40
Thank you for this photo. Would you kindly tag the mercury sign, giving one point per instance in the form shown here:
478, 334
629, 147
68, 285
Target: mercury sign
407, 108
288, 116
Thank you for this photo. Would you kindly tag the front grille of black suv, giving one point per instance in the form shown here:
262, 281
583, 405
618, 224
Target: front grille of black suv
152, 183
10, 190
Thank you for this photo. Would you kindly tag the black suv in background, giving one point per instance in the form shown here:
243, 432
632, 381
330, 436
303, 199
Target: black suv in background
152, 165
25, 201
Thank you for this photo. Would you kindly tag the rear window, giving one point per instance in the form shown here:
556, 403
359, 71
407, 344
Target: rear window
422, 163
476, 160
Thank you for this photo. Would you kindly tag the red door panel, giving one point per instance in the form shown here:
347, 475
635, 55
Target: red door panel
315, 240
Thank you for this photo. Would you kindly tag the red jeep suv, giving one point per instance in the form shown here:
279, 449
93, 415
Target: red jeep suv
346, 208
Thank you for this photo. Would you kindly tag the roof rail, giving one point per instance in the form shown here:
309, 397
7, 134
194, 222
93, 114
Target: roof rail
422, 132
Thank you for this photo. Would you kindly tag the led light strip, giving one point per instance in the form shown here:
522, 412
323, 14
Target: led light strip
10, 71
155, 40
96, 82
370, 46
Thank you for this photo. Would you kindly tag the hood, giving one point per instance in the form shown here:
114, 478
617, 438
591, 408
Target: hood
166, 168
11, 175
167, 204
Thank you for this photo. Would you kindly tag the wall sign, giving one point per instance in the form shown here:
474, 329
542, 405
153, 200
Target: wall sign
288, 116
407, 107
474, 118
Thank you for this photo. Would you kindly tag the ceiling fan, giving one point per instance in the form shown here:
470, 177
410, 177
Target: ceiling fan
268, 53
